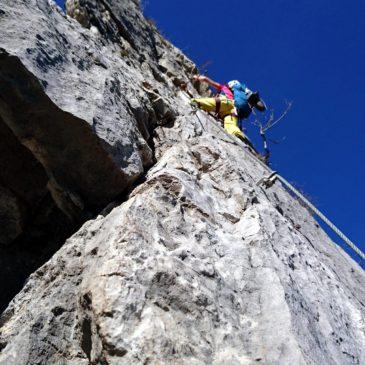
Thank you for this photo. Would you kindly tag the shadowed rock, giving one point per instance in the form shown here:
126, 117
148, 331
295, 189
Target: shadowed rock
81, 175
52, 166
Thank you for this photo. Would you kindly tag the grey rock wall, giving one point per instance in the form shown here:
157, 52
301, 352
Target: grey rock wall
199, 264
79, 104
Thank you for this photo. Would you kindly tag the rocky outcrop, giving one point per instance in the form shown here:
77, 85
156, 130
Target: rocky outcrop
78, 107
199, 266
196, 264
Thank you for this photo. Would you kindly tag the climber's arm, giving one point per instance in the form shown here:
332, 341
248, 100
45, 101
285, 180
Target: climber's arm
209, 81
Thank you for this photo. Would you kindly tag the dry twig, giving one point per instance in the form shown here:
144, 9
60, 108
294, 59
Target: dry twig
269, 123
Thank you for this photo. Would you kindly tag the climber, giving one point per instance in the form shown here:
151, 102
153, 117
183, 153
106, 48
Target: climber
233, 103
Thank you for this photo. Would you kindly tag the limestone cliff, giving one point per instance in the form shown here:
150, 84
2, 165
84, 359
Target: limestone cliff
183, 259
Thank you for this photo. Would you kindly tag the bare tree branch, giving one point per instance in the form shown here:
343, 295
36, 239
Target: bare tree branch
268, 124
271, 122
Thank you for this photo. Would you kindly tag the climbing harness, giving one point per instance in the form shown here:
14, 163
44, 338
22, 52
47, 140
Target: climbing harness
270, 180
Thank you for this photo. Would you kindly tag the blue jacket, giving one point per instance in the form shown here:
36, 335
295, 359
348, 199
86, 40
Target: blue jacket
241, 101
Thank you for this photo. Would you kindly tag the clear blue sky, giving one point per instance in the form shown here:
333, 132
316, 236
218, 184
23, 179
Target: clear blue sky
310, 52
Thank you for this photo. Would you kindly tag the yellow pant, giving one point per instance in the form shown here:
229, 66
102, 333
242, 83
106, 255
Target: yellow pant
227, 112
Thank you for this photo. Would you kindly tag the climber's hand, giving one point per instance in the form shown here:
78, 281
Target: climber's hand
199, 78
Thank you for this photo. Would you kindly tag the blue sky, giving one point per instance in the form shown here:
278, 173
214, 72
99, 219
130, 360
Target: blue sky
310, 52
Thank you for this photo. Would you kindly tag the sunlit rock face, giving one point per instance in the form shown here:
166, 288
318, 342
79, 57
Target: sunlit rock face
195, 263
78, 109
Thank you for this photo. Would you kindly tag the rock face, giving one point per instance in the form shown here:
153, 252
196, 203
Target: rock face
78, 107
199, 264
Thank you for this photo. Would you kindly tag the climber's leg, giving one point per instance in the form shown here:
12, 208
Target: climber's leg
207, 104
220, 105
231, 126
226, 107
226, 111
